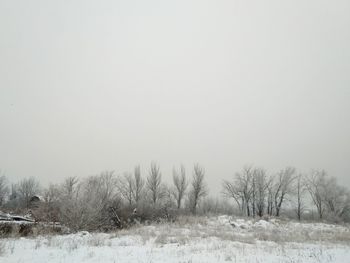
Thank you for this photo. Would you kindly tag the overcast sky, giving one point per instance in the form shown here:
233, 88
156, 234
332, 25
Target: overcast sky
88, 86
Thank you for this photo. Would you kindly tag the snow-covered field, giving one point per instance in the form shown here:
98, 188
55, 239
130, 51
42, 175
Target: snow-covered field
214, 239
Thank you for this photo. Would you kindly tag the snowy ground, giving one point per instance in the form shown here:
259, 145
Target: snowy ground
215, 239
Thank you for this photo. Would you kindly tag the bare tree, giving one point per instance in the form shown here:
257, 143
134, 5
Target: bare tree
230, 190
69, 186
108, 183
270, 197
131, 186
49, 209
71, 208
180, 184
98, 193
241, 189
262, 183
244, 181
253, 198
27, 188
69, 205
336, 198
138, 184
199, 188
4, 190
316, 186
283, 185
51, 194
126, 187
154, 183
89, 201
168, 200
300, 190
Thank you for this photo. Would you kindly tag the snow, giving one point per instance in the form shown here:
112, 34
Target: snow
5, 217
263, 224
191, 240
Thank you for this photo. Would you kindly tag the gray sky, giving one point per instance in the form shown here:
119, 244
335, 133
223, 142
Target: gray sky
87, 86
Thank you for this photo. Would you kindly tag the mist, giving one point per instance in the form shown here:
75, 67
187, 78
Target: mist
87, 87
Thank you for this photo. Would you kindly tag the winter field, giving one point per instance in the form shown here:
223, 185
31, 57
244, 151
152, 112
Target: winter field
190, 239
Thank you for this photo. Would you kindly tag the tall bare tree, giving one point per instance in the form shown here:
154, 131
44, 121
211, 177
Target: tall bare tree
69, 186
108, 182
138, 184
180, 184
199, 188
254, 189
153, 183
270, 196
300, 190
244, 181
262, 183
126, 187
316, 184
71, 208
283, 185
241, 189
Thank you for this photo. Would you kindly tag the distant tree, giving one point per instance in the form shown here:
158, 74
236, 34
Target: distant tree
270, 197
27, 188
69, 186
70, 205
4, 190
107, 189
48, 210
180, 185
262, 183
300, 191
168, 197
210, 206
244, 182
97, 192
131, 186
231, 190
241, 189
316, 183
138, 184
14, 192
153, 183
336, 198
125, 186
198, 187
283, 185
253, 198
87, 204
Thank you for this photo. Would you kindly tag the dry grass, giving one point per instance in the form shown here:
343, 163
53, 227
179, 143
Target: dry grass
185, 230
188, 229
98, 241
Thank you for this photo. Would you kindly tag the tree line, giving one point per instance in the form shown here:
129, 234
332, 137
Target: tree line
257, 193
110, 200
107, 199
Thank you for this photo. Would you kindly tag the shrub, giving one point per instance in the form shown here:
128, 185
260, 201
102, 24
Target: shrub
25, 229
6, 229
